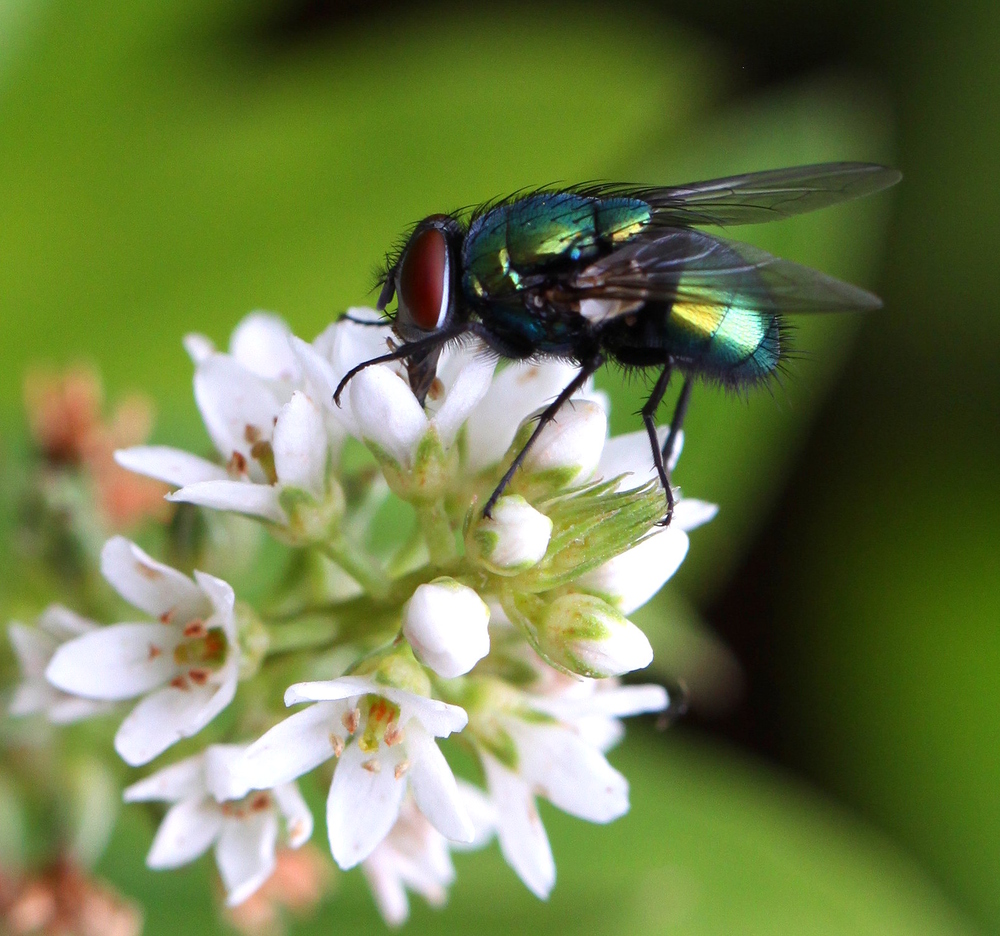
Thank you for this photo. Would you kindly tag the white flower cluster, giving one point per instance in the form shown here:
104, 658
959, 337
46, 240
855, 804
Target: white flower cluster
509, 631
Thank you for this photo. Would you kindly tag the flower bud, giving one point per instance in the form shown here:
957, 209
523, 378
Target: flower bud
446, 624
589, 637
514, 538
569, 447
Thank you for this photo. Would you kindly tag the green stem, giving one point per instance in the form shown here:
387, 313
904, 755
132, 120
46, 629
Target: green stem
440, 535
305, 633
361, 567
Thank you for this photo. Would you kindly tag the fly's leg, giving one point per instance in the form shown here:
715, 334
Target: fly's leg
371, 323
547, 416
649, 421
664, 457
404, 351
677, 422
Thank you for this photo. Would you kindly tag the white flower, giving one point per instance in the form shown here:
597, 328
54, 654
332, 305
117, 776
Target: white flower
244, 830
514, 539
264, 423
34, 647
586, 635
185, 665
414, 856
286, 450
562, 760
390, 418
446, 624
384, 739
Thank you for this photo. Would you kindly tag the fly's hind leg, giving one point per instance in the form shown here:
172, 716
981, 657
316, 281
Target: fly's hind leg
648, 413
665, 457
677, 422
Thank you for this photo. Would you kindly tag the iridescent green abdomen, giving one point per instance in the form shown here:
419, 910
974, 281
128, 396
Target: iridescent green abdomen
718, 335
724, 340
512, 244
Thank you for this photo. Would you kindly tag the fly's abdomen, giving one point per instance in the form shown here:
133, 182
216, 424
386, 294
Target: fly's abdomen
733, 344
719, 340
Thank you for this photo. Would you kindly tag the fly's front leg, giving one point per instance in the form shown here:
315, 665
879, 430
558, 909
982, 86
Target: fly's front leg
586, 371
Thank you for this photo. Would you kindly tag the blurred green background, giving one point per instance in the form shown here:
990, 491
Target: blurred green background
168, 167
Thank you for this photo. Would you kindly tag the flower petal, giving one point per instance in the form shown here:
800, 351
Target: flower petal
387, 888
569, 773
618, 702
300, 445
317, 372
523, 841
168, 715
261, 344
171, 465
298, 816
64, 624
330, 690
481, 811
32, 647
516, 392
256, 500
150, 585
631, 578
223, 600
116, 662
292, 747
244, 853
434, 787
223, 763
470, 387
439, 718
198, 346
67, 709
631, 455
31, 697
180, 781
363, 803
187, 831
387, 412
690, 513
238, 407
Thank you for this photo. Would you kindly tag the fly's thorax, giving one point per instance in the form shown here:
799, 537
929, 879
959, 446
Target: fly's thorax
543, 232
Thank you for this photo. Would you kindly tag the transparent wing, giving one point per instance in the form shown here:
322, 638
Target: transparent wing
691, 266
756, 197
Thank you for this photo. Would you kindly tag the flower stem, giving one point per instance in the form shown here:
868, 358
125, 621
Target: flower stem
441, 544
308, 632
359, 566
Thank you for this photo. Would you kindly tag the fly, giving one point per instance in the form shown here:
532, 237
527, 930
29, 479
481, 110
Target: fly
622, 274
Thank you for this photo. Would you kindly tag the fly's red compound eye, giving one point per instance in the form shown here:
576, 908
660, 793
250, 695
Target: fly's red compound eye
423, 280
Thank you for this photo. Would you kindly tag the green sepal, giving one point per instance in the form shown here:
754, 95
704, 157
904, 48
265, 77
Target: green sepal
395, 667
590, 526
310, 520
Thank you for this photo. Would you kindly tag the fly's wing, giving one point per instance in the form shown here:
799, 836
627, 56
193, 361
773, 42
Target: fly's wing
756, 197
689, 266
